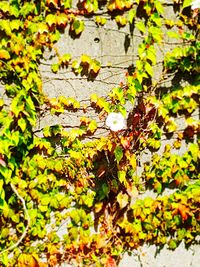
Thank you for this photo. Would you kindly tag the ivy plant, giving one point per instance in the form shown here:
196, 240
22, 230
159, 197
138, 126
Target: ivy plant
94, 187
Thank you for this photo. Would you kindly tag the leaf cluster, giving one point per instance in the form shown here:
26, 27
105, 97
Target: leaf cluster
68, 194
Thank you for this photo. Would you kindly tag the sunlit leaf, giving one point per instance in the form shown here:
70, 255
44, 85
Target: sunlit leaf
141, 26
55, 67
22, 124
4, 54
118, 153
122, 199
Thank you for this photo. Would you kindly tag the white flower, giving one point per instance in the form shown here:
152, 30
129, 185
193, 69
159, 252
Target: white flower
115, 121
195, 4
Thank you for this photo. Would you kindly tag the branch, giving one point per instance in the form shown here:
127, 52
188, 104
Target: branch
28, 221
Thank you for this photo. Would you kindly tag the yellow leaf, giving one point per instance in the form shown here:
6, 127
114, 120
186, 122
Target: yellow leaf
26, 260
93, 98
122, 176
133, 161
98, 207
92, 126
4, 54
122, 199
85, 59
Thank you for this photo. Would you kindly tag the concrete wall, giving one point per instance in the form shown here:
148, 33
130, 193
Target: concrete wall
116, 49
108, 45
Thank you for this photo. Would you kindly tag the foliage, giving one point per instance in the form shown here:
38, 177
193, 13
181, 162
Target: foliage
93, 186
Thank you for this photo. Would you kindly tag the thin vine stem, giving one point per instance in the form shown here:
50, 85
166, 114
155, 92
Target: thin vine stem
27, 218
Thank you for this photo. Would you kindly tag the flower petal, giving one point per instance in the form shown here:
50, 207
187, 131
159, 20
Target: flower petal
115, 121
195, 4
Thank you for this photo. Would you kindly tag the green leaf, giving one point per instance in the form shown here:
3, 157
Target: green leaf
131, 15
62, 20
5, 259
173, 34
15, 138
55, 36
118, 153
105, 189
75, 216
121, 176
153, 143
172, 244
194, 150
117, 93
55, 67
122, 110
94, 66
51, 19
4, 6
14, 9
15, 218
156, 19
47, 131
54, 203
92, 126
15, 24
45, 200
58, 166
151, 54
43, 208
78, 26
5, 26
158, 187
73, 233
157, 33
187, 3
148, 69
27, 8
141, 26
159, 6
171, 125
65, 58
2, 195
22, 124
67, 3
6, 173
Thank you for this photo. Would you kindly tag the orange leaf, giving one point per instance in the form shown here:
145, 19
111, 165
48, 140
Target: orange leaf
110, 262
52, 2
4, 54
183, 211
26, 260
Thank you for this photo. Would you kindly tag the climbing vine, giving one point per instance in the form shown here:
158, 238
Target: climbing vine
95, 188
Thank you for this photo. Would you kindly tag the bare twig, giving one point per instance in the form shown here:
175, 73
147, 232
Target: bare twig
28, 221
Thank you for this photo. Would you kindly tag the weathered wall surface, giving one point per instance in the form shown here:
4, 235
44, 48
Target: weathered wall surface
116, 50
148, 257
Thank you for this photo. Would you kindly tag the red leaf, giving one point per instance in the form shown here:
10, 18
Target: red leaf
126, 142
141, 107
110, 262
52, 2
136, 118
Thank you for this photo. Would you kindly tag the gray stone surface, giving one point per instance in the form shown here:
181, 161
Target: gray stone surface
147, 257
107, 44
